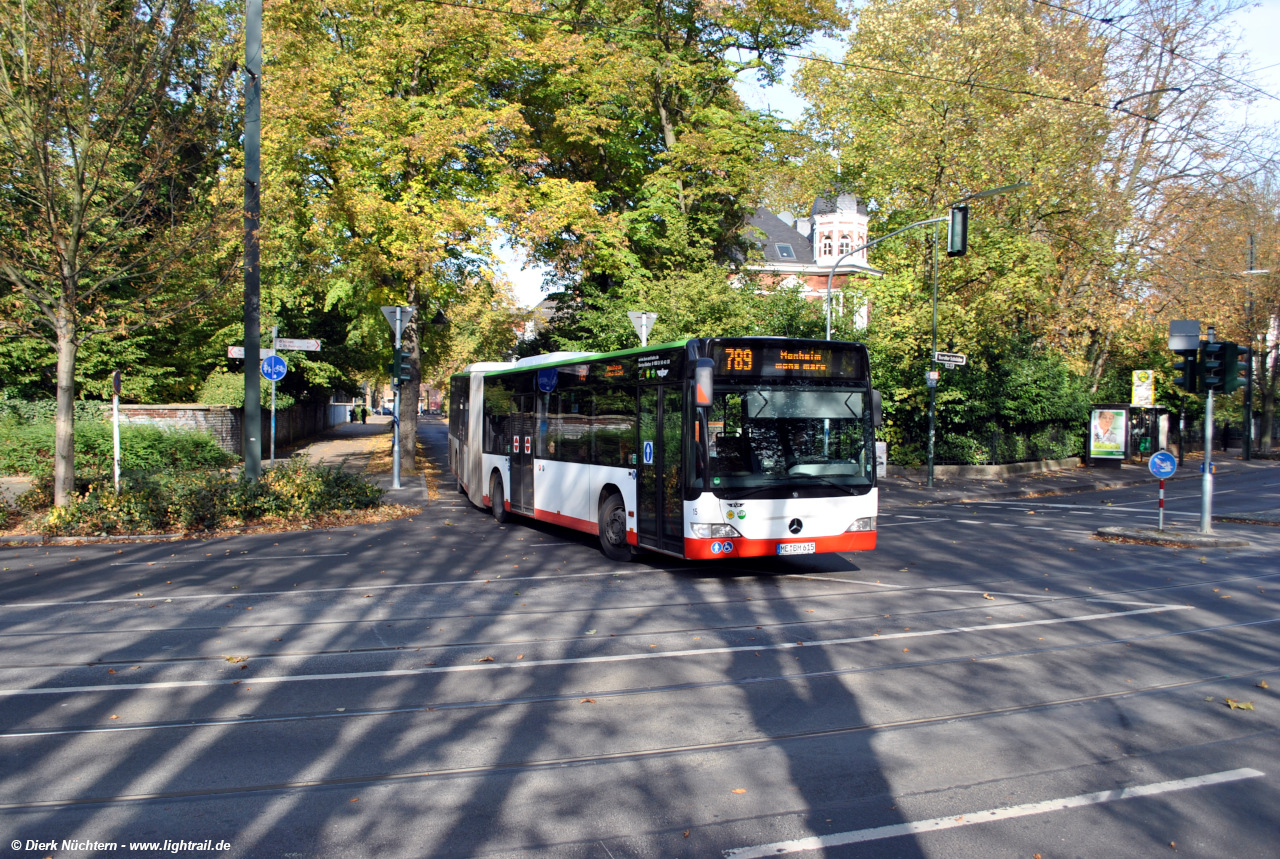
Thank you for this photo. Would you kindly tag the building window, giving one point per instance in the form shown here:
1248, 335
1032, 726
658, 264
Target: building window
825, 248
845, 245
785, 251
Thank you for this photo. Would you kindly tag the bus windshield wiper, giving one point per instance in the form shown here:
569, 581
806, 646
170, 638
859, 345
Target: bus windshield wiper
826, 480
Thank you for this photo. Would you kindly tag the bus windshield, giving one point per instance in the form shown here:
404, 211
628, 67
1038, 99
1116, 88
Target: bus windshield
763, 437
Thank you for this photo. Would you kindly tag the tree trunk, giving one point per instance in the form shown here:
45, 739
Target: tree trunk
409, 390
64, 450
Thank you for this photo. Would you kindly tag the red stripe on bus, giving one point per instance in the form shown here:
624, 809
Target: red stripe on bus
568, 521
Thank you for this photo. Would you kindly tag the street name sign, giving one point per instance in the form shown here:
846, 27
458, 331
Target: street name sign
238, 352
951, 359
297, 345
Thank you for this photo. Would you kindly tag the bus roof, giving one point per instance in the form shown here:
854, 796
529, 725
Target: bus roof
580, 357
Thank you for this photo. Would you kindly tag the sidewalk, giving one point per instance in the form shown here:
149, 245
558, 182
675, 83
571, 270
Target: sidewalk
366, 449
902, 491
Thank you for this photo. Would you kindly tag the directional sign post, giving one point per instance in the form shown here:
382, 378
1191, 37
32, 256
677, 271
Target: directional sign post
398, 317
1162, 465
273, 369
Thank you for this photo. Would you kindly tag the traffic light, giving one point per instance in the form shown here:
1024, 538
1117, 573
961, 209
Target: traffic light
1211, 366
1235, 364
399, 367
1188, 368
958, 231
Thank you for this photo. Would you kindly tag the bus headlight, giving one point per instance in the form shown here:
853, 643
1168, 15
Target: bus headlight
714, 532
866, 523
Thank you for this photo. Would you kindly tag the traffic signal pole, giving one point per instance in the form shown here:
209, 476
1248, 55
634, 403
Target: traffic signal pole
1206, 481
395, 417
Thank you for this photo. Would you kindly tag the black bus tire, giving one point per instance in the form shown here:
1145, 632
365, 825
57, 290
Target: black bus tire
613, 529
500, 513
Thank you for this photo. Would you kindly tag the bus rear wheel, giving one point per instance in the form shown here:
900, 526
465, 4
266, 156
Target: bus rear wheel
613, 529
496, 500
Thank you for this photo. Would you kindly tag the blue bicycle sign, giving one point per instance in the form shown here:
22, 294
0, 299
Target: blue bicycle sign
274, 368
1163, 464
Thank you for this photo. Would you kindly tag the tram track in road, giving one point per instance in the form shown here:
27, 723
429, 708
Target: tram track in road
973, 588
755, 624
784, 677
656, 752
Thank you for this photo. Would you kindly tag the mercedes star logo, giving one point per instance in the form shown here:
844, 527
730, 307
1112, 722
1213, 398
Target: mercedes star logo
795, 526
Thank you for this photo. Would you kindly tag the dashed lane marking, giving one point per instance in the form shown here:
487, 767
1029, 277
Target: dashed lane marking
1009, 812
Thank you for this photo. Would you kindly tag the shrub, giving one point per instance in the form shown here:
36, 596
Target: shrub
202, 500
28, 449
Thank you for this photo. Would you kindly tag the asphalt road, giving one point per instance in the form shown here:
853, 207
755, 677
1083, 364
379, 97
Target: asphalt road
991, 681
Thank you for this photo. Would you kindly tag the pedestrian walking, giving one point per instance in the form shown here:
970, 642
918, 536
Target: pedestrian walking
353, 414
364, 414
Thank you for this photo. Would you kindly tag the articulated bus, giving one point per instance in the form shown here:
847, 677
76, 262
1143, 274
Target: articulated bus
725, 447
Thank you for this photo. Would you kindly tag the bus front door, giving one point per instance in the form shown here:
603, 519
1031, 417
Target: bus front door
660, 499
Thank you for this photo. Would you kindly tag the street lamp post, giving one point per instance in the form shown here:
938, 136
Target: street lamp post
933, 362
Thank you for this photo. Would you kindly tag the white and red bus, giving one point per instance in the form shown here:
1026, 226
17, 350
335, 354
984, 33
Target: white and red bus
725, 447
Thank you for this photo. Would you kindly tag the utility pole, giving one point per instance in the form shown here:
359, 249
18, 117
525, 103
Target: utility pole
251, 432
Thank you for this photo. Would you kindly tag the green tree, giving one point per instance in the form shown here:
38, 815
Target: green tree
110, 221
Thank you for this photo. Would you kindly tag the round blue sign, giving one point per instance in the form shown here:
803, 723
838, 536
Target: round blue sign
1163, 464
274, 368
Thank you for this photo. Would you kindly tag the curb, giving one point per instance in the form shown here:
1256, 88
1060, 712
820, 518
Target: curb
1250, 518
1177, 539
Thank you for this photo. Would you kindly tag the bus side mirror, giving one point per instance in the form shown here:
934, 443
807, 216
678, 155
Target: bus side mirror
702, 382
877, 413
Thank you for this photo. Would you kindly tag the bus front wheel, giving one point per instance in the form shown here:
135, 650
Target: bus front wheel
613, 529
497, 499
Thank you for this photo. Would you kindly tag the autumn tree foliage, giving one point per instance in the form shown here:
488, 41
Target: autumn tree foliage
111, 130
1112, 126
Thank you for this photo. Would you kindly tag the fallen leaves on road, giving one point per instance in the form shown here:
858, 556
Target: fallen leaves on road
587, 701
485, 659
987, 597
739, 790
236, 659
1239, 705
1262, 684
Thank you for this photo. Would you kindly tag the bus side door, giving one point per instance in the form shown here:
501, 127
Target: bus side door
522, 427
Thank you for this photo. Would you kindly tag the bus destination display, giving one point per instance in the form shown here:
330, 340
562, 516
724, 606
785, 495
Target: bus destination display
788, 361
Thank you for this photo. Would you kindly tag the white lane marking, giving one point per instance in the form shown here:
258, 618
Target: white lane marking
248, 594
581, 660
1038, 528
298, 557
848, 581
998, 593
918, 521
1002, 525
970, 522
1009, 812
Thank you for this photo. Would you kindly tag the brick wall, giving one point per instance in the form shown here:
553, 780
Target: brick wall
224, 422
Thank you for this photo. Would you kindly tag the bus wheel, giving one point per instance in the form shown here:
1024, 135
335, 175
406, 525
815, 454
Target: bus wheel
613, 529
496, 497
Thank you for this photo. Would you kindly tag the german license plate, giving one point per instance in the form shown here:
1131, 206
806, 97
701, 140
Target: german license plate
797, 548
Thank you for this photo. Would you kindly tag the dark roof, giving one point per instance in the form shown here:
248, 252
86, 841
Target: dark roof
767, 231
842, 202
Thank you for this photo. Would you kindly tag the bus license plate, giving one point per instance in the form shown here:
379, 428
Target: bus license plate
797, 548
